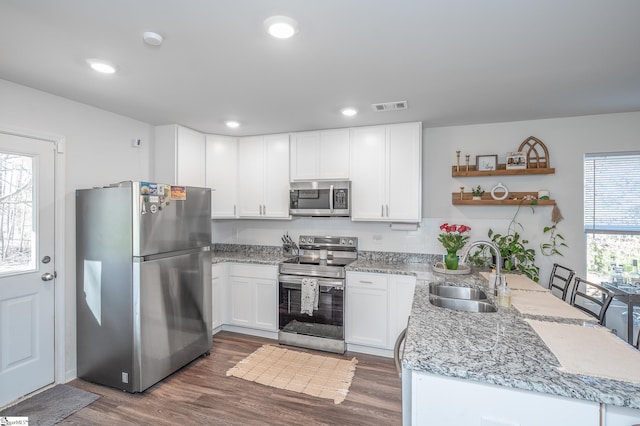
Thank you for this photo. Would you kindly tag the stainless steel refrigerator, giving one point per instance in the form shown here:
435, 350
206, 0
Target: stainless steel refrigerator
143, 290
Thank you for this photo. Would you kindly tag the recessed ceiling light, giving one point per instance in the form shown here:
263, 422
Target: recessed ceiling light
232, 124
151, 38
281, 26
349, 112
101, 66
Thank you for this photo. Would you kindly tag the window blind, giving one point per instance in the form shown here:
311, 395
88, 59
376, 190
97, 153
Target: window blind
612, 193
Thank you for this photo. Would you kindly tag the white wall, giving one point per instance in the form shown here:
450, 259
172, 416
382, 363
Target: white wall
567, 139
98, 152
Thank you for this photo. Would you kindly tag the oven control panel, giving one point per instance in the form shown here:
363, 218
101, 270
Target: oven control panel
320, 242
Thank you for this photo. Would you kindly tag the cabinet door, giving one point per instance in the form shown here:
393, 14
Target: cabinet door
221, 175
334, 154
179, 156
276, 178
404, 191
401, 289
367, 310
240, 301
368, 173
266, 304
218, 295
305, 158
250, 176
191, 158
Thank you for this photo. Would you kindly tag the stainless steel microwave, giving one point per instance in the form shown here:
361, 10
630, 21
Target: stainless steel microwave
320, 198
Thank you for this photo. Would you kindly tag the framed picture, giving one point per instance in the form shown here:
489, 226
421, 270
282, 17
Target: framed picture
486, 162
516, 160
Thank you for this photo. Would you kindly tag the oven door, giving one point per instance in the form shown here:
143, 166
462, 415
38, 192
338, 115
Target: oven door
326, 322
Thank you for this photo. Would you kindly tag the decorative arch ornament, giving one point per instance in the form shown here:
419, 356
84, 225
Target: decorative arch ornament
536, 152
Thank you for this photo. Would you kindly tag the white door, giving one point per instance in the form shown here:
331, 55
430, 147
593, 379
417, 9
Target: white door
26, 266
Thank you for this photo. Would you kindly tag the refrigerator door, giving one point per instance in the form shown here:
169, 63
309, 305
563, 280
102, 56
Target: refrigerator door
104, 277
169, 218
172, 314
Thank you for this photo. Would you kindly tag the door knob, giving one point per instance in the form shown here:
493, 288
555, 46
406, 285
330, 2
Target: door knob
47, 276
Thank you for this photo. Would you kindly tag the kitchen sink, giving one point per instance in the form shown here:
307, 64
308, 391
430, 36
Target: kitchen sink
455, 292
465, 305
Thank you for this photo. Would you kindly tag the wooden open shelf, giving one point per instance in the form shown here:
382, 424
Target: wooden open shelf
502, 171
514, 199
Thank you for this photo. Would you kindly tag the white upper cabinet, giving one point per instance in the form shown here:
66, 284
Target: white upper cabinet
386, 173
320, 155
179, 156
263, 177
222, 175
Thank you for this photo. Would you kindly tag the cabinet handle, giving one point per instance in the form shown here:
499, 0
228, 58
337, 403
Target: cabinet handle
382, 210
264, 209
387, 210
366, 282
234, 209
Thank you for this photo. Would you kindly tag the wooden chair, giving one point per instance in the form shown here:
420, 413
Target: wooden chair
595, 298
560, 279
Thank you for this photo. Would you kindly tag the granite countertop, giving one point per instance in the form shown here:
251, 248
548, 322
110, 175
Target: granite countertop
497, 348
256, 258
382, 267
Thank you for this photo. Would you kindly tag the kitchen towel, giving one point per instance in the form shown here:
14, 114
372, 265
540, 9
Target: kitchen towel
310, 296
545, 304
591, 351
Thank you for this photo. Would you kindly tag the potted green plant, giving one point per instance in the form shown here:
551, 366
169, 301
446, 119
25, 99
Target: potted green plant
516, 256
477, 193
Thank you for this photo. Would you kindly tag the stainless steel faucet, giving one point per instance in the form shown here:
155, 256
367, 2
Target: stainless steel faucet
498, 258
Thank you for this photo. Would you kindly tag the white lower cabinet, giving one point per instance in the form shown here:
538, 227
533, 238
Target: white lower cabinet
435, 401
219, 295
252, 296
367, 313
377, 308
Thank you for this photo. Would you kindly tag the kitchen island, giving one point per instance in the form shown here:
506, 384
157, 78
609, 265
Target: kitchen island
462, 368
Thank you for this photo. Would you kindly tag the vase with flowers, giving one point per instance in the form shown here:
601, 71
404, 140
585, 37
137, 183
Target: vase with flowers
453, 238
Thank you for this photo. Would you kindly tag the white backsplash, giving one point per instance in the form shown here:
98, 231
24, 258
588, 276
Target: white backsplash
371, 236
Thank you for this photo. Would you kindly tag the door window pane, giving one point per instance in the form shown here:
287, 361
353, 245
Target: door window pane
17, 230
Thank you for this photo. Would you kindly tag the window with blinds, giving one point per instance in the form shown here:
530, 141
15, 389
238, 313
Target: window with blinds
612, 193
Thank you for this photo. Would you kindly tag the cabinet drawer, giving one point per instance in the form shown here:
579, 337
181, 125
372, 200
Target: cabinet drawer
363, 280
253, 271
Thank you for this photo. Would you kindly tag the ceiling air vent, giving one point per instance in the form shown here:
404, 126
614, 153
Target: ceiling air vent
390, 106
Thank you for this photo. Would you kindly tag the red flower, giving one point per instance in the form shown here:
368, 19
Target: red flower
452, 238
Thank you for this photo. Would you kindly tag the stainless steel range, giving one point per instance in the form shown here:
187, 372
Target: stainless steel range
319, 267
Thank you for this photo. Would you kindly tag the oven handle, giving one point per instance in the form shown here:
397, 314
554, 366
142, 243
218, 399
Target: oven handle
294, 282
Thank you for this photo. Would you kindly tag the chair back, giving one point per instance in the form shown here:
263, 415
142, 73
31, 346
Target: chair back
560, 279
595, 299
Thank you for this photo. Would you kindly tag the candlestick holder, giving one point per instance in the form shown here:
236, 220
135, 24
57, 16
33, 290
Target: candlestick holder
457, 161
466, 159
461, 192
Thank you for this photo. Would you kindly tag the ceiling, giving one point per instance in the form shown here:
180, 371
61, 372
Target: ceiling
454, 61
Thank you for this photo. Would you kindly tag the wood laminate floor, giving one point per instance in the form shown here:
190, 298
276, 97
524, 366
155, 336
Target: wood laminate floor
202, 394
